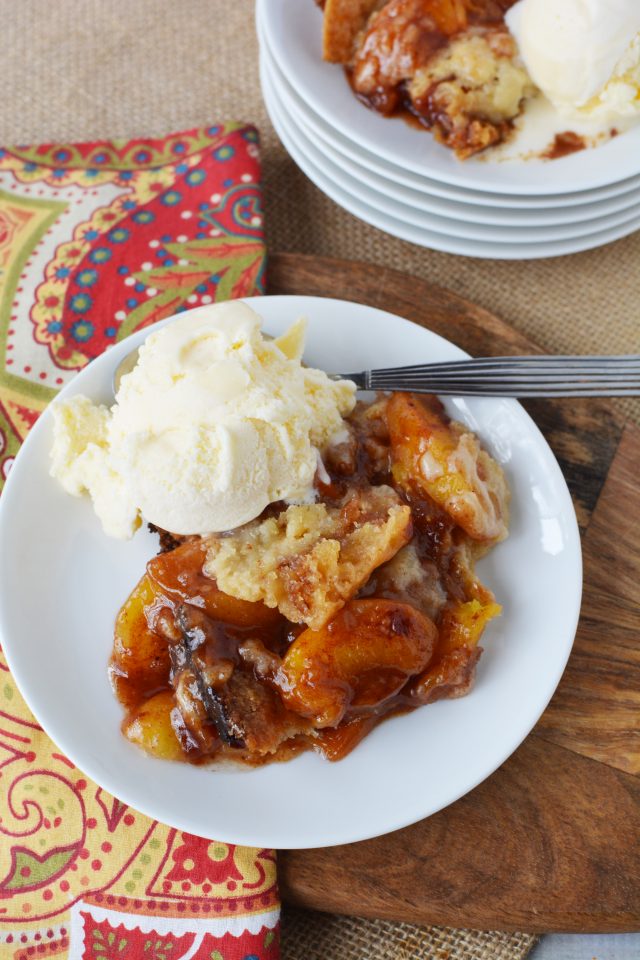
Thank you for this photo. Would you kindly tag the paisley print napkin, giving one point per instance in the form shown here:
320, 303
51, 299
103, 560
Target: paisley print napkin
98, 240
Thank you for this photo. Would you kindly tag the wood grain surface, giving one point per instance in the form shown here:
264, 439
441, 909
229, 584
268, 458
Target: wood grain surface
551, 841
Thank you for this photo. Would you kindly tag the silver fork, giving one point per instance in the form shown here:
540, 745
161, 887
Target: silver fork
537, 376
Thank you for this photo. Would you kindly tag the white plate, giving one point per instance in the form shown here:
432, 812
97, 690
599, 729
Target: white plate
293, 30
63, 582
457, 209
315, 168
386, 198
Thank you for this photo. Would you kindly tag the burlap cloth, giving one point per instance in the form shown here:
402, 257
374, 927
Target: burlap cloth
82, 69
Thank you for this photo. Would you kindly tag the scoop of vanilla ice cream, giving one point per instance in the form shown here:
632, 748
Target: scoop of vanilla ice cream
212, 425
583, 54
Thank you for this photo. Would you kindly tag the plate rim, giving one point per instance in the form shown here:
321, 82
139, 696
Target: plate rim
460, 208
404, 231
460, 227
255, 839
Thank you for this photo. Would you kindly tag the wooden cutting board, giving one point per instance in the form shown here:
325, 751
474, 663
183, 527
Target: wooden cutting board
551, 841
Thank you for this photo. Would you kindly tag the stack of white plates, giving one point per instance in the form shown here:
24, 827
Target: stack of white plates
398, 178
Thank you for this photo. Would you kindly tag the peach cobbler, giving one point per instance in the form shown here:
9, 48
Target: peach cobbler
308, 625
451, 65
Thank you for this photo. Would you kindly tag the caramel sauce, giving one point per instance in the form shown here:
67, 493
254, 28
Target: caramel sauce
563, 145
391, 102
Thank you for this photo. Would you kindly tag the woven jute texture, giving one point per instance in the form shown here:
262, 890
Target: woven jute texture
319, 936
83, 69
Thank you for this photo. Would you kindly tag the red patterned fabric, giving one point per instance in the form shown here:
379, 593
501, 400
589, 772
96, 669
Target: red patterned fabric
98, 240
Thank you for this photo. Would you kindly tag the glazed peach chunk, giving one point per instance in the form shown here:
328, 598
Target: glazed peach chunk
178, 576
140, 659
439, 457
450, 677
357, 661
452, 671
151, 727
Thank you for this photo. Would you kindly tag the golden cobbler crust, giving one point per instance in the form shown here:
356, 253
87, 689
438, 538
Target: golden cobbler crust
310, 559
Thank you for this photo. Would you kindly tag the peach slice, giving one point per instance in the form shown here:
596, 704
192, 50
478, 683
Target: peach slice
150, 727
178, 575
357, 661
436, 456
140, 662
452, 671
462, 624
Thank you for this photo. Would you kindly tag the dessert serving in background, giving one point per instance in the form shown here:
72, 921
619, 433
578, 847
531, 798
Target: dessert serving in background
467, 69
316, 572
450, 64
